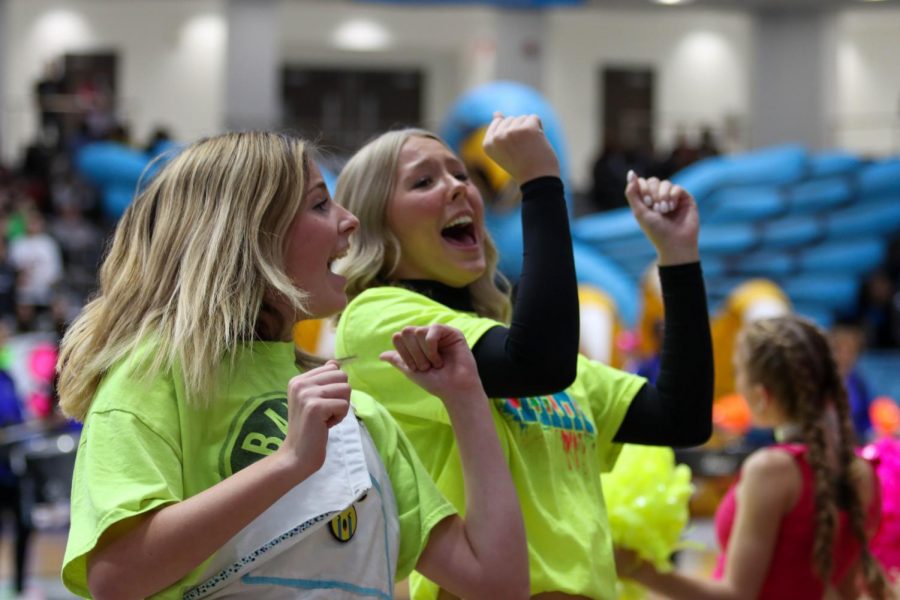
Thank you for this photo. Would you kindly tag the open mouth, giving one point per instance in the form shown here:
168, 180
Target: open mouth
336, 257
460, 231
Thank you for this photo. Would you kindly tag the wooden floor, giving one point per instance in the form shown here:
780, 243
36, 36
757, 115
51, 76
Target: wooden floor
47, 548
45, 557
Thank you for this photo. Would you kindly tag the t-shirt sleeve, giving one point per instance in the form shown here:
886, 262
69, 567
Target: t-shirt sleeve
420, 505
123, 468
364, 332
608, 393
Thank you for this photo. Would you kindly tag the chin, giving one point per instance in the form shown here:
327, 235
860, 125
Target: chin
461, 279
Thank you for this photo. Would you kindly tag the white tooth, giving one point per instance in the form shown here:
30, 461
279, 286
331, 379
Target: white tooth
459, 221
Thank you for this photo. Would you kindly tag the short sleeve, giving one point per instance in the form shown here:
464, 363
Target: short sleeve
364, 332
608, 393
123, 468
420, 505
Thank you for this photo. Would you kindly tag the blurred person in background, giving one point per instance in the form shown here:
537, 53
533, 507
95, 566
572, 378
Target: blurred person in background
797, 523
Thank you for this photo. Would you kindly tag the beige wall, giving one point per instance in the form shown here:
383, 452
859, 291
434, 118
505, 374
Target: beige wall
172, 70
171, 56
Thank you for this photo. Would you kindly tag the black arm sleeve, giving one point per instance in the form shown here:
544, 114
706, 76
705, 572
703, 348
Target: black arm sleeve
678, 411
538, 353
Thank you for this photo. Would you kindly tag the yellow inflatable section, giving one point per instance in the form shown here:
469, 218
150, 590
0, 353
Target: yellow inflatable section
750, 301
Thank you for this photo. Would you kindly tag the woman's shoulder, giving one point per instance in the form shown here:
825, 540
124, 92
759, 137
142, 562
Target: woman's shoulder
390, 308
772, 476
377, 303
380, 295
135, 375
772, 464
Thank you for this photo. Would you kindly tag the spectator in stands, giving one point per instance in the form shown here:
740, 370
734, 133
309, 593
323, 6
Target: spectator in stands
847, 342
681, 155
879, 309
8, 277
37, 258
10, 496
708, 145
81, 243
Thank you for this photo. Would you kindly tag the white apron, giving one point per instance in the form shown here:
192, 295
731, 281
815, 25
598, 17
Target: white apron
333, 536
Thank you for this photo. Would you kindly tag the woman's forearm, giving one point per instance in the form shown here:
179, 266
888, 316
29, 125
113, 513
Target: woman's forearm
515, 361
156, 550
678, 410
677, 586
494, 526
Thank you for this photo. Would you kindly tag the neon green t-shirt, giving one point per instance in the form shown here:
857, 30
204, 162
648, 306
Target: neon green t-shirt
143, 446
556, 446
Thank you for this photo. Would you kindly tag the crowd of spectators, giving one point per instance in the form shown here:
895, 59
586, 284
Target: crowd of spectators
51, 242
616, 158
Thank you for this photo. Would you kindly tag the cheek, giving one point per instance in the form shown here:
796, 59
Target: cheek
298, 266
476, 199
396, 217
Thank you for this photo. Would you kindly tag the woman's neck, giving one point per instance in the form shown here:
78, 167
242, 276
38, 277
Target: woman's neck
454, 297
271, 326
788, 432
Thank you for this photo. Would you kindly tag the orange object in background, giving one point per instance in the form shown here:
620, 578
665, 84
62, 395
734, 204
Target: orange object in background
306, 334
730, 412
315, 336
885, 416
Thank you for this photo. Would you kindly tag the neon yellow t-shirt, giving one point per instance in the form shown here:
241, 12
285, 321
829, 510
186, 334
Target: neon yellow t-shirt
556, 446
143, 446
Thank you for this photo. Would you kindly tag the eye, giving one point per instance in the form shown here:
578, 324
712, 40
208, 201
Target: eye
422, 182
322, 204
462, 176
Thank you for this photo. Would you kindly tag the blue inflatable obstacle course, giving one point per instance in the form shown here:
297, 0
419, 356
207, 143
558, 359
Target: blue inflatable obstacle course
814, 224
472, 112
117, 170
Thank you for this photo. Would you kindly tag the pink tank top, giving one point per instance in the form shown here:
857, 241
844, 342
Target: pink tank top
791, 574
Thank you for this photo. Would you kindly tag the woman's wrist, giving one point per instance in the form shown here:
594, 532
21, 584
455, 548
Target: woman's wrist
677, 256
533, 186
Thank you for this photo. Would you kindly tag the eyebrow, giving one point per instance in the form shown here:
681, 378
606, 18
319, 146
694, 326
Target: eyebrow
425, 160
450, 160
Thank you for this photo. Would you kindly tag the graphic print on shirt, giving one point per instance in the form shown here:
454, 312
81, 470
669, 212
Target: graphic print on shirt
321, 551
556, 412
256, 432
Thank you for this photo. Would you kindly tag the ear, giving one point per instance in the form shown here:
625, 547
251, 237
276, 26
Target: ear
759, 396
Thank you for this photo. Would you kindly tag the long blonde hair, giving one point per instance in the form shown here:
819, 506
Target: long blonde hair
365, 187
191, 266
791, 357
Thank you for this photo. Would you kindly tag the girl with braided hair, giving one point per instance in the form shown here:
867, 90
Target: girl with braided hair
797, 522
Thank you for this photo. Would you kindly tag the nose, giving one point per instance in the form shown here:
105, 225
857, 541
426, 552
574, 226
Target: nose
348, 221
457, 188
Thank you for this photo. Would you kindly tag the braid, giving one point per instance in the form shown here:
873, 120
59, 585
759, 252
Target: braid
824, 491
810, 404
875, 581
